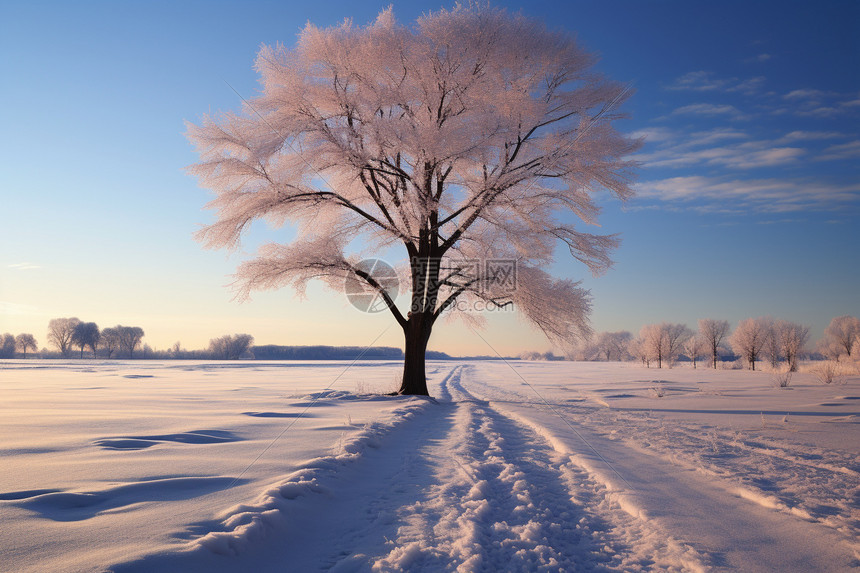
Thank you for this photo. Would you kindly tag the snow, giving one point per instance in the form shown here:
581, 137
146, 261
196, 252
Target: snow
521, 466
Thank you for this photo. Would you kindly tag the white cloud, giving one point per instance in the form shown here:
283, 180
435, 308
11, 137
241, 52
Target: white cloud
747, 155
654, 134
848, 150
752, 195
14, 309
818, 103
851, 103
24, 266
701, 138
702, 81
804, 94
810, 136
708, 109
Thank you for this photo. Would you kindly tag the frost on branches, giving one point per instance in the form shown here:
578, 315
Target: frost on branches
474, 134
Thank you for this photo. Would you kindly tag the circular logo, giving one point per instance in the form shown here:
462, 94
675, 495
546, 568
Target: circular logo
362, 294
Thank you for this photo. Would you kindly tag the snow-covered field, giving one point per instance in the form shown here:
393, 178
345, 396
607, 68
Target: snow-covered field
528, 466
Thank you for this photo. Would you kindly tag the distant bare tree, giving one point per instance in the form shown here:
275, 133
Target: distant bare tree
695, 347
26, 342
676, 335
60, 332
613, 345
772, 349
86, 334
7, 346
110, 340
231, 347
713, 332
663, 341
129, 338
653, 347
793, 338
638, 349
176, 350
842, 335
749, 339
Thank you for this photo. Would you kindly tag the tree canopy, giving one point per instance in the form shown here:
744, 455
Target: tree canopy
473, 135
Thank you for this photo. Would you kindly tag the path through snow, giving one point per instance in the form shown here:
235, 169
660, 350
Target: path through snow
488, 479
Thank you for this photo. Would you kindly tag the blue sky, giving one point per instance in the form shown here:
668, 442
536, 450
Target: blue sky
748, 196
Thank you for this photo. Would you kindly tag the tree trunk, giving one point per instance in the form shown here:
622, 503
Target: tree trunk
417, 334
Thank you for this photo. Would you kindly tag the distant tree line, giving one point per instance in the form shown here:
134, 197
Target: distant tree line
754, 340
69, 334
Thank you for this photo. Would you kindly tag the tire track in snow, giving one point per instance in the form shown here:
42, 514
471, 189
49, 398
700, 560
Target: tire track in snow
619, 541
499, 504
708, 514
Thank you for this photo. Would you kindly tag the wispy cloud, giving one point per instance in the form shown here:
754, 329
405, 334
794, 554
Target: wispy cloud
805, 94
14, 309
703, 81
654, 134
709, 109
710, 194
759, 59
810, 136
850, 150
24, 266
747, 155
817, 103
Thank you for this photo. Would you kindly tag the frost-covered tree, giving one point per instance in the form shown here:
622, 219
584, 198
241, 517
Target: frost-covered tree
612, 345
663, 342
25, 342
639, 350
772, 349
60, 332
792, 338
695, 347
750, 338
7, 346
110, 340
86, 334
128, 338
472, 135
231, 346
713, 332
842, 335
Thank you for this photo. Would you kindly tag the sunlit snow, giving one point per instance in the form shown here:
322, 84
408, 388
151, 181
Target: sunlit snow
527, 466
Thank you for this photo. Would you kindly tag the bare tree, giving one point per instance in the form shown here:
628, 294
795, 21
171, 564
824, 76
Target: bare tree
750, 337
231, 347
713, 332
663, 341
176, 350
128, 338
613, 345
652, 345
86, 334
772, 349
110, 340
793, 338
26, 342
7, 346
676, 335
472, 135
60, 332
842, 335
639, 350
695, 347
